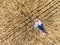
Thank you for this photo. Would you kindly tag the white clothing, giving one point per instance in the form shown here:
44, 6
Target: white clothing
39, 22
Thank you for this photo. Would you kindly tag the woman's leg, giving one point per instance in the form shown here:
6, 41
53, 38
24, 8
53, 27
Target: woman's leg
41, 28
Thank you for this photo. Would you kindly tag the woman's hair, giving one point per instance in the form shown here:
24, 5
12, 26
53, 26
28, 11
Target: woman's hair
37, 19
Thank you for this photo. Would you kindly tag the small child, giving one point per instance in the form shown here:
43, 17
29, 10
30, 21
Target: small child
38, 24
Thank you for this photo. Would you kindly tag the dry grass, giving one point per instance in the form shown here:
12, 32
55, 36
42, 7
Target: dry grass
16, 22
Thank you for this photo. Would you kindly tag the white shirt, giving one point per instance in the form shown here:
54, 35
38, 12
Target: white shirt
38, 23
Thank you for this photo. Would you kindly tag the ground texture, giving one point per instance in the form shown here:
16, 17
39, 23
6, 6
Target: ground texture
16, 22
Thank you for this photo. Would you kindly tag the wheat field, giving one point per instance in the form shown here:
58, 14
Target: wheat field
17, 19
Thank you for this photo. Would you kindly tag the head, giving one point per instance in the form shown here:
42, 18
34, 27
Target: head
36, 20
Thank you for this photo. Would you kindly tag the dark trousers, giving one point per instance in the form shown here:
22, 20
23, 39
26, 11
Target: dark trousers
41, 27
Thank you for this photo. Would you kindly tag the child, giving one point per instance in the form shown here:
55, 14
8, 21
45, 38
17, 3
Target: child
38, 24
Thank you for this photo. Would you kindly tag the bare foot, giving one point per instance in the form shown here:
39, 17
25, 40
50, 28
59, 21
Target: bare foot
43, 34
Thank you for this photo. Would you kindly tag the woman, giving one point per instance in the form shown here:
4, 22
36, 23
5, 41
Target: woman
38, 24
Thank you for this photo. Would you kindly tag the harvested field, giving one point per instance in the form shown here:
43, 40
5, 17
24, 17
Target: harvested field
17, 19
